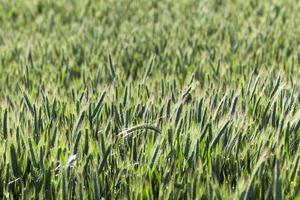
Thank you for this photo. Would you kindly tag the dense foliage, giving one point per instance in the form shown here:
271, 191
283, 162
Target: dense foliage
185, 99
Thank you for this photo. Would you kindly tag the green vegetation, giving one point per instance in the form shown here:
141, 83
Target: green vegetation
145, 99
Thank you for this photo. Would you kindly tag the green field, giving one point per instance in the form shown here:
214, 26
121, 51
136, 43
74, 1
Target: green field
169, 99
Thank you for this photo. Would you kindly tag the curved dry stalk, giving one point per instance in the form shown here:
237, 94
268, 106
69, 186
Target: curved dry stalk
128, 131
